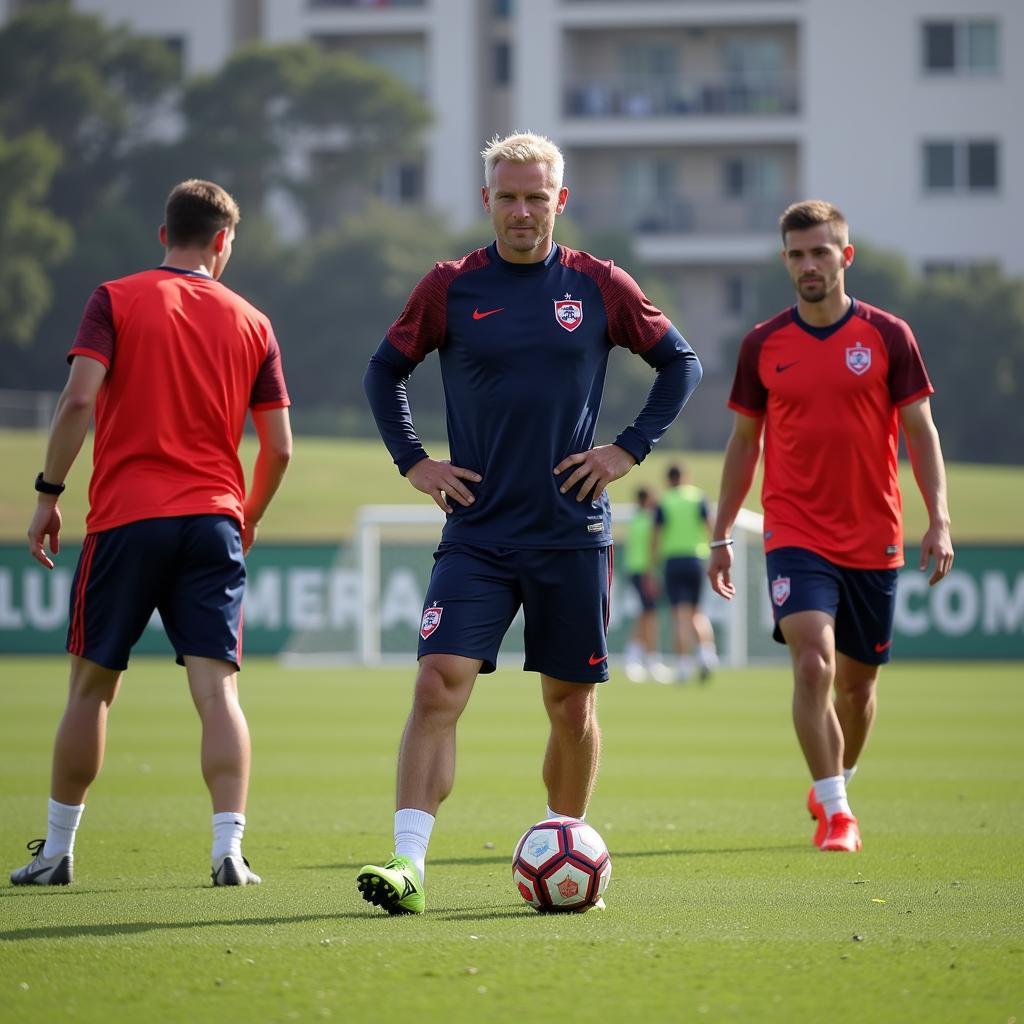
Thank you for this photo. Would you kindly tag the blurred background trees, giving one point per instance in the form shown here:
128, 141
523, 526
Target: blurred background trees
97, 125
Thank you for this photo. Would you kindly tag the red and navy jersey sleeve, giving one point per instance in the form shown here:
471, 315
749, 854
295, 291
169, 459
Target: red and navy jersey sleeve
96, 335
420, 328
269, 390
749, 395
634, 322
908, 379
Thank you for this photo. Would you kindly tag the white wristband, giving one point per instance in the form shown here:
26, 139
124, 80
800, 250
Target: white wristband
727, 543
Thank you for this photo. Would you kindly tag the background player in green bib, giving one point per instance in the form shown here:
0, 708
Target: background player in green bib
642, 658
682, 529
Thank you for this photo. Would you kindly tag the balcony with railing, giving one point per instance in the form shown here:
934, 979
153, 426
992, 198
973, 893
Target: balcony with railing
711, 95
679, 213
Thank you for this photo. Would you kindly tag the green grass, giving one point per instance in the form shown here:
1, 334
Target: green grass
330, 479
719, 908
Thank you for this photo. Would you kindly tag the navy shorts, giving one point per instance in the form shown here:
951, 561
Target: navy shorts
644, 587
189, 568
684, 579
862, 601
475, 593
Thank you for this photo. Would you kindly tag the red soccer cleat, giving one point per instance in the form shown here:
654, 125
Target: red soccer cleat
817, 812
843, 836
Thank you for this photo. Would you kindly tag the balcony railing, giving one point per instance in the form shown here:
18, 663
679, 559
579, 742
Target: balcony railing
680, 214
681, 96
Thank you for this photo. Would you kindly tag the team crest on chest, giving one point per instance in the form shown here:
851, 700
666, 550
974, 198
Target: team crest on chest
430, 621
858, 359
780, 590
569, 312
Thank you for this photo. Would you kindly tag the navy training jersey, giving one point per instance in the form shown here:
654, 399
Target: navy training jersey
523, 350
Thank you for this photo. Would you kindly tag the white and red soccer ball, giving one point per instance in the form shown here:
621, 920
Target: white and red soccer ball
561, 865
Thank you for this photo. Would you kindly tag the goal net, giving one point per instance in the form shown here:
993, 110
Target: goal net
381, 578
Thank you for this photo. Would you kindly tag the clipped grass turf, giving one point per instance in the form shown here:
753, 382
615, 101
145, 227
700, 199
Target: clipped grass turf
719, 908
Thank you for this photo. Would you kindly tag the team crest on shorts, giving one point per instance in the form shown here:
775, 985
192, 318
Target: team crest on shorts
430, 621
780, 590
858, 359
569, 312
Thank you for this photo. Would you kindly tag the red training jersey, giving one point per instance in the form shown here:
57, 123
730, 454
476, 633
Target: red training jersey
830, 398
186, 358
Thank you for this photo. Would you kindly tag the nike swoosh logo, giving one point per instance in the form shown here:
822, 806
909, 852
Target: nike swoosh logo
881, 648
31, 876
409, 889
477, 315
597, 661
783, 367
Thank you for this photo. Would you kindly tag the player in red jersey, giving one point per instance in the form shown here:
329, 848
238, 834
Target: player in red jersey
171, 362
826, 385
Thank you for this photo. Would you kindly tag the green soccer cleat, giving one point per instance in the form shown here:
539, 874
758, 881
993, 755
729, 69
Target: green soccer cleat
396, 887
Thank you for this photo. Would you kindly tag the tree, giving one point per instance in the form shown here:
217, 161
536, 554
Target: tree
32, 239
316, 125
93, 90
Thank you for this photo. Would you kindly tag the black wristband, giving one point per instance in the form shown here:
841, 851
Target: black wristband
43, 487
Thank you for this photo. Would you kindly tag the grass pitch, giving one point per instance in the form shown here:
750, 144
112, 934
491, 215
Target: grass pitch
719, 908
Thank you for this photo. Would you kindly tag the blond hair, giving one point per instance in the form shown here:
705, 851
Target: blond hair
523, 148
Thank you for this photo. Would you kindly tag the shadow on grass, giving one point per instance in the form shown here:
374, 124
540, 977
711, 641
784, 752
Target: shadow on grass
497, 858
141, 927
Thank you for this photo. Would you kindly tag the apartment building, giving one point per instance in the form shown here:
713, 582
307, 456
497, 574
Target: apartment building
690, 124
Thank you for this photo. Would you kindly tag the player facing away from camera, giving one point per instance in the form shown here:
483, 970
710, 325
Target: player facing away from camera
170, 361
682, 526
523, 329
826, 385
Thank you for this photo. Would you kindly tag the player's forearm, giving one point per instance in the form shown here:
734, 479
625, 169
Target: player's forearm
930, 472
271, 466
385, 386
67, 433
678, 374
741, 458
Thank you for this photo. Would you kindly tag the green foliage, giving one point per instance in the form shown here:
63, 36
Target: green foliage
92, 89
32, 239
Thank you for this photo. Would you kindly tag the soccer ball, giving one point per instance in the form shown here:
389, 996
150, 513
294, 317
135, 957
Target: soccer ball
561, 864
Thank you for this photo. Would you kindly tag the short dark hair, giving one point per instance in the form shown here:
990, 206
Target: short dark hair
642, 495
674, 474
809, 213
196, 210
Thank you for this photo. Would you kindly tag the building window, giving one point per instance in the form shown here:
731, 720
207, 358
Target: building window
736, 295
753, 176
502, 64
961, 47
961, 166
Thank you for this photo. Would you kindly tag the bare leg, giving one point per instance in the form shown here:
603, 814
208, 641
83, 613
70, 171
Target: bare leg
686, 635
226, 750
856, 703
702, 627
649, 631
82, 733
811, 639
426, 759
574, 745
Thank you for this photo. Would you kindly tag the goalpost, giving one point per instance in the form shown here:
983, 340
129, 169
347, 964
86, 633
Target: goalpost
388, 563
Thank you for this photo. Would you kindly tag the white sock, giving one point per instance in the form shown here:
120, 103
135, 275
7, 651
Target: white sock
831, 794
557, 814
684, 666
848, 773
228, 829
412, 835
634, 652
61, 823
708, 656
